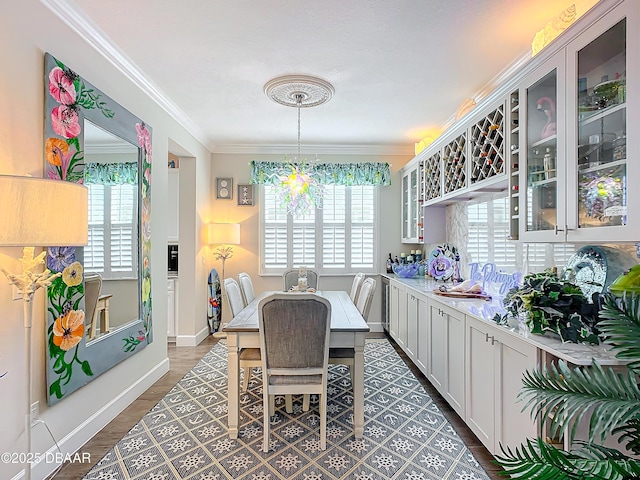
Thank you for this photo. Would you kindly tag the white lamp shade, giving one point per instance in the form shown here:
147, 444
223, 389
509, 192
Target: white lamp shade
38, 212
223, 233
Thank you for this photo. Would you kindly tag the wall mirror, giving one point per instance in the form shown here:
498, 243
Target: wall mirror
99, 310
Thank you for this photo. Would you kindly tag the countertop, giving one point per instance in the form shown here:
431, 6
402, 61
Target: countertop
575, 353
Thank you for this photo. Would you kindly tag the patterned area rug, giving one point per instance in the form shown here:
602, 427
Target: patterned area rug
185, 435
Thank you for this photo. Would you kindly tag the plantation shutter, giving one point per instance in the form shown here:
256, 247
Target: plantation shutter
362, 227
275, 230
112, 244
339, 237
334, 228
504, 251
94, 252
478, 241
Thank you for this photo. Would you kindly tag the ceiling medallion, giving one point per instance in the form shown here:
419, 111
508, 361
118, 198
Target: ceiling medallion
299, 91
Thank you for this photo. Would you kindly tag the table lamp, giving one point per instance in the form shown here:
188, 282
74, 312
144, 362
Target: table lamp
37, 212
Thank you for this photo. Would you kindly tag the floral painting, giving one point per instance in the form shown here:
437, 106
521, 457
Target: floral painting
71, 362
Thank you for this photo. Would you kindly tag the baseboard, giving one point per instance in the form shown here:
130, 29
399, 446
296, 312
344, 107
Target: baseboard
376, 327
192, 340
74, 441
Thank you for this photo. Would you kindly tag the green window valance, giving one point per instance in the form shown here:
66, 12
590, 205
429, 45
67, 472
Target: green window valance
365, 173
111, 173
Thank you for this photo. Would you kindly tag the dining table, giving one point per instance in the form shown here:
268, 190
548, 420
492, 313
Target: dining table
348, 330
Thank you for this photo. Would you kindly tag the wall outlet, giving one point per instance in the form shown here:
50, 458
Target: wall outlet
15, 293
35, 412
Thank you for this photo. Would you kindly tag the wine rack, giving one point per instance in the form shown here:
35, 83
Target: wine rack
487, 146
432, 169
454, 159
514, 154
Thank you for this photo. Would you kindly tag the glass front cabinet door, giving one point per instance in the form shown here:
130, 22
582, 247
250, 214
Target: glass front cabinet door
544, 175
603, 61
411, 205
581, 138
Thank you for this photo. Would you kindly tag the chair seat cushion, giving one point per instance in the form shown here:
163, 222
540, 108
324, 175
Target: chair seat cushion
342, 353
295, 379
250, 354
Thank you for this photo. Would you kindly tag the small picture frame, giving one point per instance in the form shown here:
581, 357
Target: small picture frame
245, 195
224, 188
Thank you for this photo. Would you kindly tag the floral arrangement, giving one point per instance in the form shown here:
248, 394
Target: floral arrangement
550, 304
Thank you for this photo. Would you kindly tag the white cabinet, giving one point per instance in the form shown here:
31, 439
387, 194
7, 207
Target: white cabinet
397, 312
578, 105
446, 354
495, 364
416, 328
173, 207
411, 204
171, 308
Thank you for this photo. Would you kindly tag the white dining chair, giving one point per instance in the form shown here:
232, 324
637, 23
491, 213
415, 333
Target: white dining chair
290, 278
294, 354
249, 357
246, 285
355, 286
365, 297
346, 356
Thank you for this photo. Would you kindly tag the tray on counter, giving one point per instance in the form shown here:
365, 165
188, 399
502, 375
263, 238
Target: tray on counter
483, 296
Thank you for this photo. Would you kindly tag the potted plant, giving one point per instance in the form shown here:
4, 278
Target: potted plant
550, 304
562, 396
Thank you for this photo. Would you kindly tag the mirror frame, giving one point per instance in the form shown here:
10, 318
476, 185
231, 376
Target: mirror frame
71, 362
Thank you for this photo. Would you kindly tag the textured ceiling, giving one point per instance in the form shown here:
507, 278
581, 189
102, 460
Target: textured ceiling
400, 68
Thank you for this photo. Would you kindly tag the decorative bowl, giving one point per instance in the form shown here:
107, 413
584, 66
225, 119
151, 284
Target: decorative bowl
406, 271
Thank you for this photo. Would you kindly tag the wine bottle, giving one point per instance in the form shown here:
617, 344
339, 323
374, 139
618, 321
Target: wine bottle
389, 262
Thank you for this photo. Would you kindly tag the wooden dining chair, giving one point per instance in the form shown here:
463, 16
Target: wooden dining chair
347, 356
246, 286
290, 278
355, 286
294, 354
92, 287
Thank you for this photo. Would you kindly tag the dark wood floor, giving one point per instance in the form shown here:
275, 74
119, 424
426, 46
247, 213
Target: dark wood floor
182, 360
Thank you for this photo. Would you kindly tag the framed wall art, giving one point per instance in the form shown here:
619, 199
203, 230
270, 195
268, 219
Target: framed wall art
224, 188
245, 195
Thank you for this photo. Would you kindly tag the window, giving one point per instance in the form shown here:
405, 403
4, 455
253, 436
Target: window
338, 238
113, 225
488, 224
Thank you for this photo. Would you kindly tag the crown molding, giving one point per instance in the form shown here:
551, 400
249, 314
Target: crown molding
71, 15
313, 150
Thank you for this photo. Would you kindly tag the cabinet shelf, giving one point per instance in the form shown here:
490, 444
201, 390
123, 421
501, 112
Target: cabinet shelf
547, 141
603, 166
594, 117
542, 183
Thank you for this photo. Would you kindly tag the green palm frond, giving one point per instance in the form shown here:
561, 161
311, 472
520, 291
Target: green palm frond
539, 460
621, 325
562, 396
630, 432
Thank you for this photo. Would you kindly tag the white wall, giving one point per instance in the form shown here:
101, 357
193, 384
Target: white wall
27, 31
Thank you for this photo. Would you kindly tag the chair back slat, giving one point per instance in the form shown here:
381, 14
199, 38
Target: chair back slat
365, 297
246, 285
234, 296
355, 286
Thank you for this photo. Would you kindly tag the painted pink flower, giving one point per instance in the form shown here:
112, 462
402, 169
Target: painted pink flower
61, 86
64, 121
144, 137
